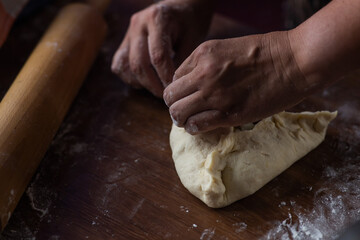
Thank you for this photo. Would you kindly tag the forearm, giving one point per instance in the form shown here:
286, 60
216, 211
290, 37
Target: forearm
327, 45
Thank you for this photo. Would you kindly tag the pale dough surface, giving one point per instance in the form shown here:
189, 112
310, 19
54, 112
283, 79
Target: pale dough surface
220, 170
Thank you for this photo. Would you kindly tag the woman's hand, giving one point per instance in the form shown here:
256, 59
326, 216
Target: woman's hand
158, 38
235, 81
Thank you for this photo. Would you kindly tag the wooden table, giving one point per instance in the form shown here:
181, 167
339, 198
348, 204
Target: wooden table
109, 173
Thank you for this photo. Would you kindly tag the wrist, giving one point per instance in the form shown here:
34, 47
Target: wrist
310, 62
289, 74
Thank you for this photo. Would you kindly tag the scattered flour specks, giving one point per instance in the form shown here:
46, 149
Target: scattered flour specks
184, 209
117, 175
239, 227
207, 234
40, 198
336, 205
136, 208
78, 148
167, 235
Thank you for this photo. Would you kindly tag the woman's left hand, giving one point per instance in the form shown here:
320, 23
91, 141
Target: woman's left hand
235, 81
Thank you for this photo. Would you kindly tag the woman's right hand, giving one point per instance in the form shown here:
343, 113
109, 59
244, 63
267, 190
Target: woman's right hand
158, 39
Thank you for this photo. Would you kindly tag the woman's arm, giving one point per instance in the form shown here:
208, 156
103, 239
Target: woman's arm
240, 80
327, 45
157, 38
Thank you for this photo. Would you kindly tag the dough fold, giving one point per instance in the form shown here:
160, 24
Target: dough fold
220, 170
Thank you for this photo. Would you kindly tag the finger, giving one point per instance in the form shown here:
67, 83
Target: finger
205, 121
186, 107
120, 65
181, 88
141, 67
161, 55
190, 63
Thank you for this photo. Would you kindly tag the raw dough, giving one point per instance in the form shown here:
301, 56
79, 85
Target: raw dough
220, 170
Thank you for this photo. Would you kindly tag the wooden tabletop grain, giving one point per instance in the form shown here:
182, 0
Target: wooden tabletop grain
109, 174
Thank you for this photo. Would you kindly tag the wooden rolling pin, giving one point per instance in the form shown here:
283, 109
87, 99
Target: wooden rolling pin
37, 101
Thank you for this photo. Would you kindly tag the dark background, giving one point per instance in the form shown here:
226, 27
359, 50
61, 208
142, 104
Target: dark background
108, 173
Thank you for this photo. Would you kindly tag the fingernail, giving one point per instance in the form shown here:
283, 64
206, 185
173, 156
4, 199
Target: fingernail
174, 121
193, 128
165, 97
168, 97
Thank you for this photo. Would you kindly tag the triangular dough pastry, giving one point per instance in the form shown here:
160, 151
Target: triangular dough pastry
220, 170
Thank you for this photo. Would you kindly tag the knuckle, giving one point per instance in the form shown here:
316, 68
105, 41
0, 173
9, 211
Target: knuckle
155, 11
202, 49
135, 18
135, 67
158, 11
118, 67
157, 57
206, 47
176, 75
205, 95
210, 66
115, 69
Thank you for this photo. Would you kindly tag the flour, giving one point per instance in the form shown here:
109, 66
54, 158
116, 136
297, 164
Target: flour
184, 209
347, 111
239, 227
136, 208
336, 205
40, 198
11, 197
54, 45
116, 176
42, 211
78, 148
207, 234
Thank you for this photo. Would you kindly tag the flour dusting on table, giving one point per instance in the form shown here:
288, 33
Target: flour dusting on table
336, 205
